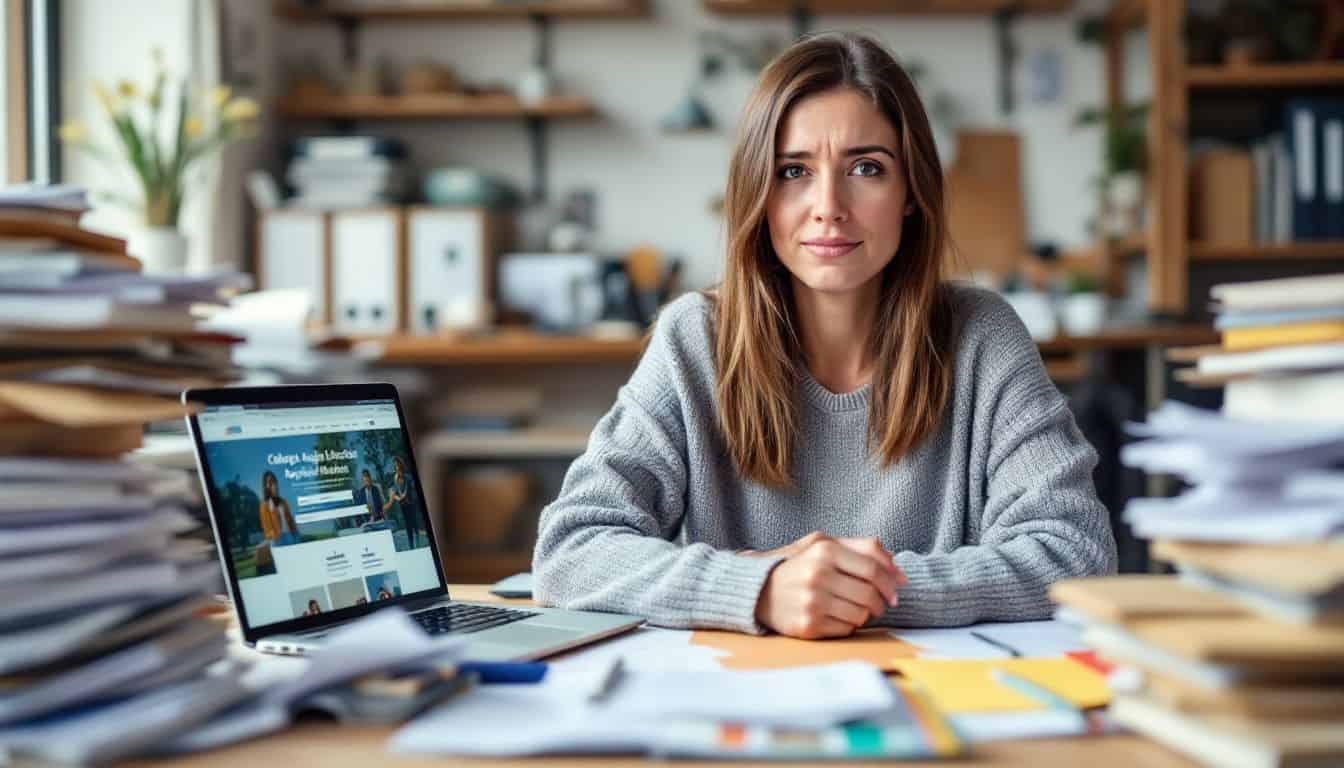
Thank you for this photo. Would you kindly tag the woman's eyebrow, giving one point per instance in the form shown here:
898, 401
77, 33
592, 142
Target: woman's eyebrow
866, 149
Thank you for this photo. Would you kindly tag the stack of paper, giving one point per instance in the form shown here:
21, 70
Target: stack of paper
832, 710
1248, 478
1282, 353
1205, 675
347, 171
1239, 660
91, 349
100, 622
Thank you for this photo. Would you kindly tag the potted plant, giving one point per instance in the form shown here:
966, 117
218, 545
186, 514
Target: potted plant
1124, 164
162, 144
1082, 310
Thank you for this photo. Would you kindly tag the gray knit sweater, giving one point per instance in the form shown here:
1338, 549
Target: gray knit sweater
991, 509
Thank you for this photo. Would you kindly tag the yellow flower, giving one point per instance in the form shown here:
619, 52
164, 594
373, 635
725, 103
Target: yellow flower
127, 90
219, 95
239, 110
106, 98
73, 132
193, 127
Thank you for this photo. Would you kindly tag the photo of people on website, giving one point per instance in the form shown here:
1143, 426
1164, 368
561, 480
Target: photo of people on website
314, 501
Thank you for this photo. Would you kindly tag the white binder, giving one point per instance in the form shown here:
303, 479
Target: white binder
366, 268
451, 268
293, 254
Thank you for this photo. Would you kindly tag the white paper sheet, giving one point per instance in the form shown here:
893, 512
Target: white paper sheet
1034, 638
955, 643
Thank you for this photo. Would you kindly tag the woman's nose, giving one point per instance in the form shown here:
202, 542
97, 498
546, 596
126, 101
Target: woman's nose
828, 202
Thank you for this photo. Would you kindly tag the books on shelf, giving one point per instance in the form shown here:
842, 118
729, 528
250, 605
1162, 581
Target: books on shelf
347, 171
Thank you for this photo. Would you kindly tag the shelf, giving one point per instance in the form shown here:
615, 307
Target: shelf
510, 347
1133, 337
465, 11
435, 106
904, 8
536, 443
1298, 74
1306, 250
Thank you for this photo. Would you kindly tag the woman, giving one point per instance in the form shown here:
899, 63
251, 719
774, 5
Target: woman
277, 523
835, 436
402, 497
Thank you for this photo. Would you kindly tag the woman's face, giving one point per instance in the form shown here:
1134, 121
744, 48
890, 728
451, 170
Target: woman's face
268, 486
839, 192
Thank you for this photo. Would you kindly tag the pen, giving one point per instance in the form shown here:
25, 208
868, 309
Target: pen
996, 643
504, 671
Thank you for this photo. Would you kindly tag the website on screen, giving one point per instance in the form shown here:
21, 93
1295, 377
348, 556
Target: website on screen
317, 507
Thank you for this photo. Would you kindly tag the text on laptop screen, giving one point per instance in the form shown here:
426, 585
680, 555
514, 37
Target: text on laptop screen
317, 507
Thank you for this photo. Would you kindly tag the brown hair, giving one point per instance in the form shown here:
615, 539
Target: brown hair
757, 351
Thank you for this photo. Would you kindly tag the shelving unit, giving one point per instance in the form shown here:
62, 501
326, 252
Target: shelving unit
1003, 12
350, 16
1169, 249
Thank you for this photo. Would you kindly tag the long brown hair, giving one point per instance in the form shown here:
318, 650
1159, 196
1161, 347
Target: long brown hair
757, 351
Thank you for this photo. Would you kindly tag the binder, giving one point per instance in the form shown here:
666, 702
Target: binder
451, 268
366, 271
293, 255
1300, 123
1332, 167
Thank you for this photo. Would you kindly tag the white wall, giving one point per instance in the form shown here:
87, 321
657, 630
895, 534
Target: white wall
107, 40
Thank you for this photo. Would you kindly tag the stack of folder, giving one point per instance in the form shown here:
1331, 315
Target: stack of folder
1282, 353
103, 648
91, 349
1238, 659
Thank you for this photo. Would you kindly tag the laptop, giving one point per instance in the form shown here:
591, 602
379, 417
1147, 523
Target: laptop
319, 517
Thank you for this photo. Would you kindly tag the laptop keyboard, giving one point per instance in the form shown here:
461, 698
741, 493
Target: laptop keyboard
461, 619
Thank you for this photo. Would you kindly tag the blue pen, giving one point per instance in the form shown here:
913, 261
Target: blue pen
504, 671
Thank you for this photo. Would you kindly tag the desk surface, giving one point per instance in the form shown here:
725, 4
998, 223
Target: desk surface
334, 746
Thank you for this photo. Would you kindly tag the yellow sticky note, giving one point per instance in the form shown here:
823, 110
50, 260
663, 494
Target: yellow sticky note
960, 685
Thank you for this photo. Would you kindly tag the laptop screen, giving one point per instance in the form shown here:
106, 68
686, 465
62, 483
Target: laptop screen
316, 506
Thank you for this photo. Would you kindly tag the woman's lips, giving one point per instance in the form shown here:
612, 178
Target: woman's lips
824, 250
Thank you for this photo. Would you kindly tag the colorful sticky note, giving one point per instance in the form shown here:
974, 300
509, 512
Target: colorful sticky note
959, 686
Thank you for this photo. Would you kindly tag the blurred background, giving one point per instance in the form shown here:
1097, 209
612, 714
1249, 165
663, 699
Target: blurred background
486, 201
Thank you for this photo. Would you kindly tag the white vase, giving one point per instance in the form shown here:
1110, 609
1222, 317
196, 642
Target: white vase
162, 250
1083, 314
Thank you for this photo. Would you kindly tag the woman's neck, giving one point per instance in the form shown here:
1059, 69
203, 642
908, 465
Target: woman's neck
835, 330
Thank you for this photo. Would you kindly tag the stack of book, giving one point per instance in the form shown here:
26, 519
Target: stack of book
1238, 659
102, 650
347, 171
1282, 353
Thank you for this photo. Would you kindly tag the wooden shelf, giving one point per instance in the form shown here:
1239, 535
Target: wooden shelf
1306, 250
537, 442
1133, 337
889, 7
1297, 74
436, 106
465, 11
503, 348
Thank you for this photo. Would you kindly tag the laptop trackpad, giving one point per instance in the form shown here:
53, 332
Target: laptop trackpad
534, 636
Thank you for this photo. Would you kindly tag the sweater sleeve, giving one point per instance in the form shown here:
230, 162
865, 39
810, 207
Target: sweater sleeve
605, 544
1042, 520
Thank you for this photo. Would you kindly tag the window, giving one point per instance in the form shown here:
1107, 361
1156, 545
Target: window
14, 143
29, 95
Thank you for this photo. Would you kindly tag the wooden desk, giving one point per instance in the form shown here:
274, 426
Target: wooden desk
336, 746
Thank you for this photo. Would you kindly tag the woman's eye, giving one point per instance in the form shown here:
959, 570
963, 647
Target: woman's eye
790, 171
867, 168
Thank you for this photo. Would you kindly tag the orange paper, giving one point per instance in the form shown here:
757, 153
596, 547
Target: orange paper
875, 646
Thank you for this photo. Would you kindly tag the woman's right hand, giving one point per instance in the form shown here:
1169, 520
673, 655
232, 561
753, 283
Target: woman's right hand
828, 587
